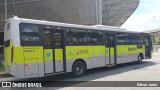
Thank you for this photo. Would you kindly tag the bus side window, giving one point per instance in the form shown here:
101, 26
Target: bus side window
122, 38
29, 33
69, 37
112, 44
95, 38
106, 40
76, 37
47, 39
58, 39
146, 41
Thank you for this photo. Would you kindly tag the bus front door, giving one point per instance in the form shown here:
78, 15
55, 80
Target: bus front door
148, 46
53, 51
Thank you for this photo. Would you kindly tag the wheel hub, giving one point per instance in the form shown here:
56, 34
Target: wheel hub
77, 68
140, 58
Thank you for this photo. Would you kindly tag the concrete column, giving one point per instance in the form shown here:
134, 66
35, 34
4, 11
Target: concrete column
99, 11
6, 16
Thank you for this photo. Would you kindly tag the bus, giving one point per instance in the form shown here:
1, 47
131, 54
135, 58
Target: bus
37, 48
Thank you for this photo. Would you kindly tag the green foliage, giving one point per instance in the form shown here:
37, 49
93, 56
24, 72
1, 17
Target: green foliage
159, 42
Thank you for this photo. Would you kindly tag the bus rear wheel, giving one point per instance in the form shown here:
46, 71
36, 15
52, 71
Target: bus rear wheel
139, 59
78, 69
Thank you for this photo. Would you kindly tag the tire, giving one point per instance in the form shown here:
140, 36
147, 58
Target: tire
139, 61
78, 69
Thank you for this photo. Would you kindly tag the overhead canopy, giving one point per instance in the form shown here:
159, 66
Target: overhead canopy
114, 12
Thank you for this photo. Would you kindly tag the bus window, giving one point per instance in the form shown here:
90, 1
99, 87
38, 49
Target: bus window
47, 37
139, 40
95, 38
106, 40
122, 38
29, 34
112, 44
58, 39
131, 39
77, 37
146, 41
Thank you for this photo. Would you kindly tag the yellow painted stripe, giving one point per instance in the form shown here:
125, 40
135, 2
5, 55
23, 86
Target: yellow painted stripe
59, 54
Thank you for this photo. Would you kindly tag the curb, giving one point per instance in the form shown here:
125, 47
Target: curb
5, 75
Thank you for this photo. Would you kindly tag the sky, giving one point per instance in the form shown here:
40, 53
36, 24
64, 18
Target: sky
146, 17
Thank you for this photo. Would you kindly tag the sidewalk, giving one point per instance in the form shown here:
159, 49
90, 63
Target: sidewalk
5, 75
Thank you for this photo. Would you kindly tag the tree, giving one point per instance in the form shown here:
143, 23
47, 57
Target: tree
159, 42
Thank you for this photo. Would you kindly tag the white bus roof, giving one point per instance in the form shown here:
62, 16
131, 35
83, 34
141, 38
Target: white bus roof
94, 27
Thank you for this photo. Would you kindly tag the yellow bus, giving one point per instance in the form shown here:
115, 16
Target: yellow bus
36, 48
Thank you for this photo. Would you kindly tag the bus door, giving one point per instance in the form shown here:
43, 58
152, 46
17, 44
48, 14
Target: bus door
53, 51
58, 50
112, 53
48, 51
148, 46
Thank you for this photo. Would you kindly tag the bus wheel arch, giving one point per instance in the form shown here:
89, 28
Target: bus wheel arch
141, 55
79, 67
140, 58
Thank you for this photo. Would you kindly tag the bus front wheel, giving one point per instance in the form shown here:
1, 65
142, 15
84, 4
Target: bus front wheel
78, 69
140, 58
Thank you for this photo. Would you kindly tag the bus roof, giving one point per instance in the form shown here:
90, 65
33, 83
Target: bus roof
94, 27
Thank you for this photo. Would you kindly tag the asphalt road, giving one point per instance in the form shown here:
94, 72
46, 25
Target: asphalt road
149, 70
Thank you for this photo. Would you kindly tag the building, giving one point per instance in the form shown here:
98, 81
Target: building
156, 35
85, 12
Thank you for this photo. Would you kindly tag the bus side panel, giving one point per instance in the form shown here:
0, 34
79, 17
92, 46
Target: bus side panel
76, 52
97, 54
101, 56
94, 56
28, 62
8, 54
121, 53
129, 53
33, 61
141, 50
126, 56
18, 62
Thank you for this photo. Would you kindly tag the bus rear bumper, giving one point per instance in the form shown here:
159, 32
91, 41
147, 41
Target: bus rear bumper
9, 70
14, 70
20, 71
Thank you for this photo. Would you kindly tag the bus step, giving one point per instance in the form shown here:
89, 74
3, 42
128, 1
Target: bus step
111, 65
49, 74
